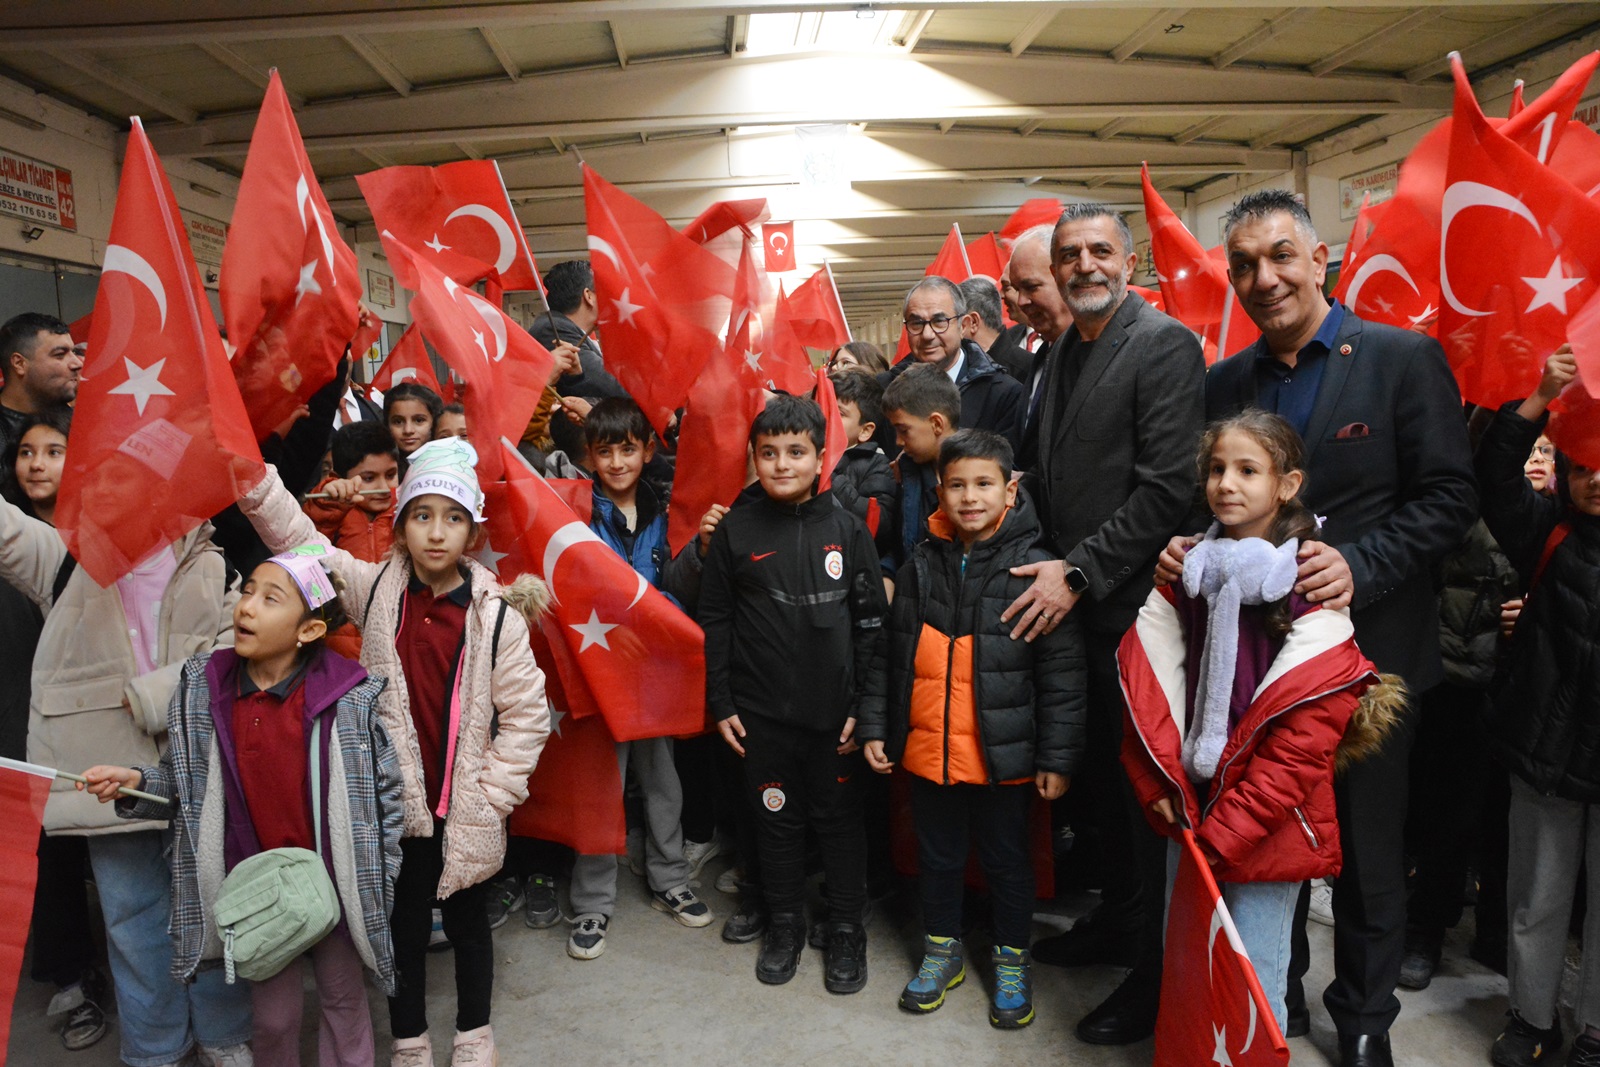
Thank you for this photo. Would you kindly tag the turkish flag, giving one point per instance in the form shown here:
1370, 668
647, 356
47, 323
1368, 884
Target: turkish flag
161, 440
368, 329
408, 362
777, 239
1517, 103
1504, 314
289, 287
663, 298
1044, 211
79, 329
506, 370
1574, 425
641, 658
983, 255
1213, 1009
457, 215
24, 788
784, 358
834, 443
725, 215
816, 314
713, 447
951, 262
575, 792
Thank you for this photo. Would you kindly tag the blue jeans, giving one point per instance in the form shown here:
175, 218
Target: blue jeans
1263, 912
161, 1018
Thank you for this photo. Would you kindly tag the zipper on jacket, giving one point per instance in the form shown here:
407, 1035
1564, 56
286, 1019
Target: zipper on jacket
1306, 826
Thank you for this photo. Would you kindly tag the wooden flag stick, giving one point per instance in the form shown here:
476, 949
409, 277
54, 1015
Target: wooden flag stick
51, 772
359, 492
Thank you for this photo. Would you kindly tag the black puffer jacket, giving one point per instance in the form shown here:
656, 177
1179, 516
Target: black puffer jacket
1547, 715
1030, 698
863, 476
1474, 581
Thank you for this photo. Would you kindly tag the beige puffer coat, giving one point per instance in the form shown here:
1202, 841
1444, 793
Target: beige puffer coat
85, 668
489, 777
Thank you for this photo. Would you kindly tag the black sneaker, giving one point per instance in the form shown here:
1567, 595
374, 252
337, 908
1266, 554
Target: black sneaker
780, 952
539, 903
818, 938
505, 897
1421, 958
1522, 1044
86, 1023
748, 922
846, 968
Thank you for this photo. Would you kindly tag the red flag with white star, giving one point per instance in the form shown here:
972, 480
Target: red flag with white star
1574, 425
1503, 315
24, 788
407, 362
640, 656
458, 215
778, 240
290, 286
1213, 1010
160, 438
983, 255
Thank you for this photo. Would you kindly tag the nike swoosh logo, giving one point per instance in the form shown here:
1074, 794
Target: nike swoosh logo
757, 559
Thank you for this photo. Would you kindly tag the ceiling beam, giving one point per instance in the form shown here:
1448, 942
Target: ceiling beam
501, 56
246, 69
1028, 127
1283, 134
123, 84
379, 61
1155, 26
914, 31
1200, 129
616, 42
1112, 128
1251, 41
377, 159
1036, 25
1518, 29
738, 33
1355, 49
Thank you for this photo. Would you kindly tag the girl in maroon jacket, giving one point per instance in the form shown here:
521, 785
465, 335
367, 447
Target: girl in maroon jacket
1239, 692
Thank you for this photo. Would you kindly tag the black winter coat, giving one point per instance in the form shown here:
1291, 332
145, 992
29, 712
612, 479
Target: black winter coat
991, 399
1030, 697
863, 475
1547, 716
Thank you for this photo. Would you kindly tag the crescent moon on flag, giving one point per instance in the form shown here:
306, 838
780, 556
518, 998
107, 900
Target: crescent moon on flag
302, 196
502, 230
1376, 265
122, 260
486, 311
603, 246
777, 236
1219, 923
564, 538
1457, 198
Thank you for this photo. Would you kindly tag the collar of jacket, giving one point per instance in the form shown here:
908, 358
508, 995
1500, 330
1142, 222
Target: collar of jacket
646, 501
1019, 528
816, 509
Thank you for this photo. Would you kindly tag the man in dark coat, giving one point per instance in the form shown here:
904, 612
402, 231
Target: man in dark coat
574, 310
1388, 464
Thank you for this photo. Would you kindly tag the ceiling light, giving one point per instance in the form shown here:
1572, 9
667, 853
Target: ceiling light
1370, 146
865, 12
205, 190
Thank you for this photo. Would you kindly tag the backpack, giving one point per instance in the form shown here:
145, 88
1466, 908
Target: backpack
277, 904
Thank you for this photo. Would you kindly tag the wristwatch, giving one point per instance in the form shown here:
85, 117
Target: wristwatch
1077, 581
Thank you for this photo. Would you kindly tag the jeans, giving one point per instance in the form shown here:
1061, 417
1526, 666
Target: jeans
1263, 913
952, 821
161, 1018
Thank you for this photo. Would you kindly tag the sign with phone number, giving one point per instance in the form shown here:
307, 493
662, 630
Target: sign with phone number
37, 192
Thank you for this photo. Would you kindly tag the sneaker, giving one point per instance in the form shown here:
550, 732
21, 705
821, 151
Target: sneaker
1421, 958
780, 951
437, 942
227, 1056
699, 853
539, 901
748, 922
730, 881
845, 966
411, 1052
1521, 1044
683, 905
942, 969
474, 1048
1585, 1052
505, 897
588, 938
1321, 903
1013, 989
85, 1024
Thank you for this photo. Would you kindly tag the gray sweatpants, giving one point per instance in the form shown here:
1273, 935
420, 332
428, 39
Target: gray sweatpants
1550, 837
594, 878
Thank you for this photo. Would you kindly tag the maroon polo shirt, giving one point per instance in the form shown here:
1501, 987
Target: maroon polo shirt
269, 732
429, 645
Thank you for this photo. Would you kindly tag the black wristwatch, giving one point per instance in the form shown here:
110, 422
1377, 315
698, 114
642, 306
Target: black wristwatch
1077, 581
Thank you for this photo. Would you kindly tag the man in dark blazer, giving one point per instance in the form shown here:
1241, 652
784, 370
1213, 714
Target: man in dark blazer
1388, 464
1119, 418
573, 312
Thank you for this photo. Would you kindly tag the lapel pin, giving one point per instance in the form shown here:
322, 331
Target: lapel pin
1345, 350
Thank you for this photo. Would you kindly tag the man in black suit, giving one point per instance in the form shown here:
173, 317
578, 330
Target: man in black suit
1039, 303
1118, 420
573, 312
1388, 464
986, 327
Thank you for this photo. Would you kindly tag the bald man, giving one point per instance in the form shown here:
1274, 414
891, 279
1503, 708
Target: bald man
1038, 299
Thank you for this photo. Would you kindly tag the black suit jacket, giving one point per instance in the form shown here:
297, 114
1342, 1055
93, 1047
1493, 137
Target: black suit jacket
1388, 464
594, 382
1008, 353
1115, 473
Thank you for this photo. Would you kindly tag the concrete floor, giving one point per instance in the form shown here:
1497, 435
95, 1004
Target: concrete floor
664, 994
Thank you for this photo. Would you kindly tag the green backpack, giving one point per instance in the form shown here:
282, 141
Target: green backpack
277, 904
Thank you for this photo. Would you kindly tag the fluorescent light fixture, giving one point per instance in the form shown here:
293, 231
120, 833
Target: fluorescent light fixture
851, 30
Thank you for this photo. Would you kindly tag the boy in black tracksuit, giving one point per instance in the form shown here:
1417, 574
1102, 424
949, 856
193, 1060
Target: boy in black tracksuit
792, 606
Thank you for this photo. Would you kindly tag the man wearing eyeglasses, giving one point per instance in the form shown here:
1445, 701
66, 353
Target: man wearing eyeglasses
935, 310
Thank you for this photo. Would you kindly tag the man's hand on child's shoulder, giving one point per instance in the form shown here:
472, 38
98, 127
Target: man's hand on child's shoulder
1169, 566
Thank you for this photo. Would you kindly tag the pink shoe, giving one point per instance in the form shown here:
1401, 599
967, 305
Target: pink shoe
412, 1052
474, 1048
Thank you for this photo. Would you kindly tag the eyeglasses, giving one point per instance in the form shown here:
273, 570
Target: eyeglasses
940, 324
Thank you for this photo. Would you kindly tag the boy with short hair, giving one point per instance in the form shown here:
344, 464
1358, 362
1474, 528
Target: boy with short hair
864, 481
352, 515
632, 518
977, 753
924, 407
792, 606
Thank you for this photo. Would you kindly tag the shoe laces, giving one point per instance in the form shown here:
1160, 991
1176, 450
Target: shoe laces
932, 969
470, 1053
1008, 979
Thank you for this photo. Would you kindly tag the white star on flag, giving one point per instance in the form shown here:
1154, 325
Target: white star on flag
489, 557
143, 383
1220, 1056
594, 631
753, 358
626, 310
307, 282
1427, 313
1552, 289
436, 244
555, 721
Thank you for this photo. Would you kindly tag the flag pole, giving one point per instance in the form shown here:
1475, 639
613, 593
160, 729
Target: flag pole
50, 772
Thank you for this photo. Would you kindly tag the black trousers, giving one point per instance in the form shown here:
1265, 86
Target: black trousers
951, 820
63, 949
1450, 783
466, 923
1369, 896
796, 779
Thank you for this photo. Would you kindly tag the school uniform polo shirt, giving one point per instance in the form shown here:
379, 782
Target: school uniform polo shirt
269, 733
432, 630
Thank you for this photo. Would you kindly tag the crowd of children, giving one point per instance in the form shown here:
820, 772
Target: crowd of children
368, 697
